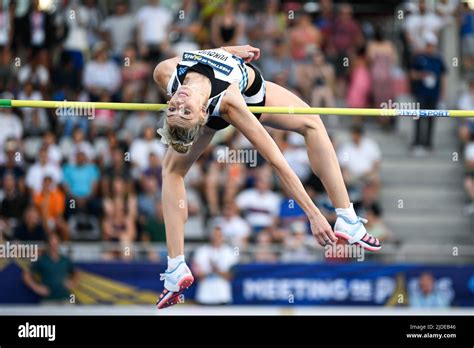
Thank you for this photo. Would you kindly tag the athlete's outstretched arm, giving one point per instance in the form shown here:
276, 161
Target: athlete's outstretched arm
238, 114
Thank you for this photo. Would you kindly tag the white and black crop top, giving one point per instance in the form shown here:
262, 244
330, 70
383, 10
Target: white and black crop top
222, 68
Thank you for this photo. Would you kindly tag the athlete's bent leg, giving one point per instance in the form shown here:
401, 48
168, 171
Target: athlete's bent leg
323, 161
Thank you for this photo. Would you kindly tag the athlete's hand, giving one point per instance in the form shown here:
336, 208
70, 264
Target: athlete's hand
246, 52
322, 231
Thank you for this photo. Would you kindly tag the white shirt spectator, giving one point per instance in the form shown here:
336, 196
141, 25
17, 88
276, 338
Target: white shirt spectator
69, 150
29, 114
54, 154
40, 74
466, 101
77, 33
10, 126
297, 158
140, 151
120, 29
469, 152
417, 25
359, 160
234, 228
105, 76
37, 172
214, 288
4, 27
154, 22
260, 208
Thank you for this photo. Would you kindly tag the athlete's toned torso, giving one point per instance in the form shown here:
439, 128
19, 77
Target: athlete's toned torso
222, 69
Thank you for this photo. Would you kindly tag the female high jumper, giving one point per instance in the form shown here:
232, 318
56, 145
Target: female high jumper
211, 89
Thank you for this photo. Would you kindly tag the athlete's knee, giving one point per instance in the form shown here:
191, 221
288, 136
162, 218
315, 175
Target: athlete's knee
171, 168
310, 123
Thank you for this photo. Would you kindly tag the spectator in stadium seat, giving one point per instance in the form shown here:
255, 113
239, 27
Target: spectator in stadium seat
54, 151
154, 227
469, 176
268, 29
296, 244
466, 102
235, 229
419, 23
35, 120
154, 169
260, 205
382, 55
76, 43
212, 266
140, 149
278, 65
467, 36
118, 28
425, 295
120, 191
153, 33
7, 71
321, 80
118, 167
264, 249
79, 141
290, 212
13, 201
428, 73
185, 30
31, 228
81, 182
359, 158
360, 82
304, 38
104, 120
34, 73
148, 198
11, 126
57, 273
134, 124
42, 168
119, 226
153, 231
11, 162
345, 36
222, 180
102, 74
296, 155
226, 27
51, 204
38, 28
135, 76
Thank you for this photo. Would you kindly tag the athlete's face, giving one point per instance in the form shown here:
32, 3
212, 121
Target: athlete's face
184, 108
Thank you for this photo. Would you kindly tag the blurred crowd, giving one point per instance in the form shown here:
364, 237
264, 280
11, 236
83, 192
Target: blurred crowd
91, 177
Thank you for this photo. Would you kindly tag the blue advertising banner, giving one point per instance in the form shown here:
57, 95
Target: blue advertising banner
354, 284
350, 284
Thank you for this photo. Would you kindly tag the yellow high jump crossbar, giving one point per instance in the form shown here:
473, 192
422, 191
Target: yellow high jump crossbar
77, 105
